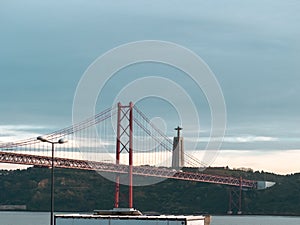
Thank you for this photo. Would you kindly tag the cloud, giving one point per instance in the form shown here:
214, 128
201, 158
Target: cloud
236, 139
271, 161
10, 133
246, 139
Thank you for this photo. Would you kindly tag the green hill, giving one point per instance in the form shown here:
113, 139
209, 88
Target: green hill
77, 190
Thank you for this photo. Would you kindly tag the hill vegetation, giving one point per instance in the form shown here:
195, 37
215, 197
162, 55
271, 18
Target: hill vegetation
77, 190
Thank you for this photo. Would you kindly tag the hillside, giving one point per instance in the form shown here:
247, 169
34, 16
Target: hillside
77, 190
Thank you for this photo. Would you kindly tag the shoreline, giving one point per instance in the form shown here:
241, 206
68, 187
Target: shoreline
234, 215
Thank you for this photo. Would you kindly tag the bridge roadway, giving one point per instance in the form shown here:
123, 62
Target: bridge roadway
45, 161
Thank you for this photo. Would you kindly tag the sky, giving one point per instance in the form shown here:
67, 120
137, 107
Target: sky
252, 47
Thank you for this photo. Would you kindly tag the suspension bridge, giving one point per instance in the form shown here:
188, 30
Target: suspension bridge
138, 148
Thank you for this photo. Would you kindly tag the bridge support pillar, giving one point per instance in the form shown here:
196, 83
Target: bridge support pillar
118, 146
124, 142
235, 199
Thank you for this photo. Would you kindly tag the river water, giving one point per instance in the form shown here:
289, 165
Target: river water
38, 218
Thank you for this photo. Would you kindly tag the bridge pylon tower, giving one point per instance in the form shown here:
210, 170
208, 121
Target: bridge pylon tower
124, 143
235, 199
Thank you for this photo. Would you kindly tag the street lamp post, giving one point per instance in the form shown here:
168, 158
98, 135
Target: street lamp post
60, 141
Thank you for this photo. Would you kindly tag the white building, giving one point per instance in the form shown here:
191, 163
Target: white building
128, 217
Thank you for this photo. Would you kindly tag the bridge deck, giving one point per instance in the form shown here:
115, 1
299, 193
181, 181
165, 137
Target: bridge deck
45, 161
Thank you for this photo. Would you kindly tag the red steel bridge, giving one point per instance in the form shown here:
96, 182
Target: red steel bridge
120, 140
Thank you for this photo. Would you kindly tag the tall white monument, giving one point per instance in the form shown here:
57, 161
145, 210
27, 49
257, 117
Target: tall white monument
178, 150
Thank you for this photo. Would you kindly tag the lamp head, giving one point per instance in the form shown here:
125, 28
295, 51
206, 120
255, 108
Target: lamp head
41, 138
62, 141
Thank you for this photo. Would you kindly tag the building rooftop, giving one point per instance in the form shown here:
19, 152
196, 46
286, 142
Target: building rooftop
129, 213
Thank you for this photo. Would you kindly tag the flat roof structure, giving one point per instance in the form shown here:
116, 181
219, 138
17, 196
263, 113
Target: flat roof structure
121, 217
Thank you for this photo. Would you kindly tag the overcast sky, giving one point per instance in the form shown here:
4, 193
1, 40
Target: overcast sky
253, 48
